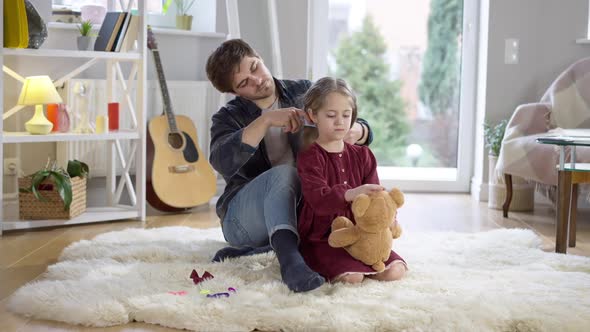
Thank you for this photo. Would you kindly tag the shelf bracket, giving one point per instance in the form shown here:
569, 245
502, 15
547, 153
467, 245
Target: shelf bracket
13, 74
125, 178
75, 72
125, 87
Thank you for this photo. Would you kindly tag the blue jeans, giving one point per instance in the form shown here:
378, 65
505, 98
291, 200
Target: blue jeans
265, 205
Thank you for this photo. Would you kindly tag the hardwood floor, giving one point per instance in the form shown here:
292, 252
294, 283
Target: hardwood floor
25, 255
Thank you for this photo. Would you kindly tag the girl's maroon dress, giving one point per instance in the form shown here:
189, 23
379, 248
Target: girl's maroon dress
325, 177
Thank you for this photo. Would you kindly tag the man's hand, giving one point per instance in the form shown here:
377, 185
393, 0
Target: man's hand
354, 134
290, 119
366, 189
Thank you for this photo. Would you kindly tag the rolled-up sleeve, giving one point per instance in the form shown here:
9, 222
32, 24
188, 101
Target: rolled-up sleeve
369, 131
228, 152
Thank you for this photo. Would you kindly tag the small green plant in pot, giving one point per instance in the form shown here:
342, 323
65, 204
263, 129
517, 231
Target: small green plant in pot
523, 192
493, 137
86, 37
184, 21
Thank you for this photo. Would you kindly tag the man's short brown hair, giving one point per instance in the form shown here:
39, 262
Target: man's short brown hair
223, 61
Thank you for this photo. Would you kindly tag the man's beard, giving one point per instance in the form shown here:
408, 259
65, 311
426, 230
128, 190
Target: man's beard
264, 92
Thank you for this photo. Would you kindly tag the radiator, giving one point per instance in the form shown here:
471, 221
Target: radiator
196, 99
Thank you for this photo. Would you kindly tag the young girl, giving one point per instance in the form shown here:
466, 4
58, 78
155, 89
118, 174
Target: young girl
332, 174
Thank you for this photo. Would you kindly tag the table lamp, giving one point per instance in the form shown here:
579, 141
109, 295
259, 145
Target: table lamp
38, 90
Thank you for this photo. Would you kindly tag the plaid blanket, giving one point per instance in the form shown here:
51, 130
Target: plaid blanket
565, 105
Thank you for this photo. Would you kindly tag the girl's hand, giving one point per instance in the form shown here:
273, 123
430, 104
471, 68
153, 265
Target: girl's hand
366, 189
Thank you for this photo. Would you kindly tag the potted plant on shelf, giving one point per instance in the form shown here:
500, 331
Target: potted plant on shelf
523, 193
184, 21
85, 40
54, 192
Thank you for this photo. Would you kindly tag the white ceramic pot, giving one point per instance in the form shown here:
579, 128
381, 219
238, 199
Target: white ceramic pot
85, 43
523, 193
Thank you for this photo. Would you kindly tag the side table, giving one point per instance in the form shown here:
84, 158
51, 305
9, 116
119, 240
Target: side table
569, 176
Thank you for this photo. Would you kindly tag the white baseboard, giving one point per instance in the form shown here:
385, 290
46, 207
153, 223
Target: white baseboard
479, 190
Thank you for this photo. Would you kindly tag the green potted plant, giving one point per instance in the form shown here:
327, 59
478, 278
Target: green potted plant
85, 40
493, 137
40, 192
184, 21
523, 192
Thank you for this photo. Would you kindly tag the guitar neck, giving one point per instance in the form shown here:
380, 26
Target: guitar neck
165, 95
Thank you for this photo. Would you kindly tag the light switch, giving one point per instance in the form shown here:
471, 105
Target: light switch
511, 51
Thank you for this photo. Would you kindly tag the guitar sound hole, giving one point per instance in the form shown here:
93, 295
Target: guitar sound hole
175, 140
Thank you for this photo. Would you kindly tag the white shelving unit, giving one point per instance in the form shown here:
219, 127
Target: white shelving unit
73, 54
136, 103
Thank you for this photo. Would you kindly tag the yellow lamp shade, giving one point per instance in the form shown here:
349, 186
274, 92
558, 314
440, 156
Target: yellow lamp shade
38, 90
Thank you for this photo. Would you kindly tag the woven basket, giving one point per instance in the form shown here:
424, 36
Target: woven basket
52, 207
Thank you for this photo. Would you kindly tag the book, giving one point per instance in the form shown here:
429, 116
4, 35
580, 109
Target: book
130, 34
122, 33
115, 33
109, 24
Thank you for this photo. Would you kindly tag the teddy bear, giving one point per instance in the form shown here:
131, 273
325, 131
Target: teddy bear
371, 238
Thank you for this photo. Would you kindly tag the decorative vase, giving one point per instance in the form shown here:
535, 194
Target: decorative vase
37, 28
93, 13
85, 43
184, 22
63, 119
38, 124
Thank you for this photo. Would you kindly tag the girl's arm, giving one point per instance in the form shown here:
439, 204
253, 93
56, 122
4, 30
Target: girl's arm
324, 200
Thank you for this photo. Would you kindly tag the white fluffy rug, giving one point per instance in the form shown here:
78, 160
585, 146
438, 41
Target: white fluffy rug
497, 280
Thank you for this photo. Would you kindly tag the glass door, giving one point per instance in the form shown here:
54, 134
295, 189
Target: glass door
412, 65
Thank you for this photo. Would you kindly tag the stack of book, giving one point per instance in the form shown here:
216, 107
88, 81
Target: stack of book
117, 33
63, 14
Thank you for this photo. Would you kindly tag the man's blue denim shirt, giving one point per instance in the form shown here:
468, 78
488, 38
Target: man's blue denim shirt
240, 163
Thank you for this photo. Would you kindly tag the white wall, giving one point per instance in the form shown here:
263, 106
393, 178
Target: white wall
293, 24
254, 29
547, 31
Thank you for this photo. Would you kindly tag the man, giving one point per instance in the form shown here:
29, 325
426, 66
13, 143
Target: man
254, 141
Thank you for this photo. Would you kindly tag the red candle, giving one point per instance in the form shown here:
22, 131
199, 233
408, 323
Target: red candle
113, 116
52, 110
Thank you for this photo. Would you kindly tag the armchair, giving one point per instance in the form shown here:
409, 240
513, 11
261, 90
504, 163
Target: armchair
565, 105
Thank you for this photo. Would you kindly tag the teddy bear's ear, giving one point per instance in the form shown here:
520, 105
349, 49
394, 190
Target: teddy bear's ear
397, 196
360, 205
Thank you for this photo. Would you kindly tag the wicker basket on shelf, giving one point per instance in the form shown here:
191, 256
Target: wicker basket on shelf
52, 207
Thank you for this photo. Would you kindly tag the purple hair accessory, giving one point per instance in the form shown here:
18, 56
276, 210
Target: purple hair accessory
218, 295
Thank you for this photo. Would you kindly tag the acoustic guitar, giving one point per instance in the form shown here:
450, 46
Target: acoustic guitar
178, 176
